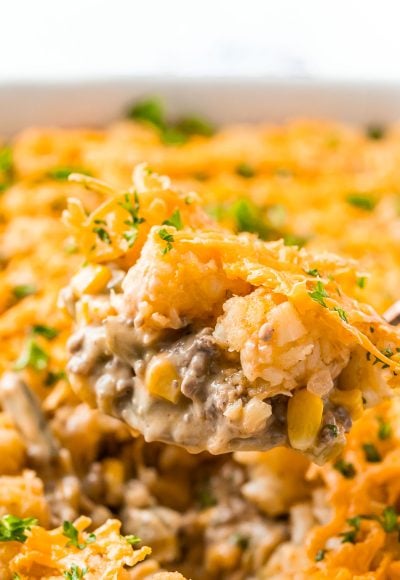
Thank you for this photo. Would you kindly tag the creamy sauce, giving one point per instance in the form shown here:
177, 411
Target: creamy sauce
113, 358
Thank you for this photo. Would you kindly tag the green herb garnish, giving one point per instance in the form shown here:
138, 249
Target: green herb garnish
349, 536
361, 281
63, 173
48, 332
372, 455
318, 294
23, 290
132, 540
342, 313
245, 170
250, 218
195, 126
53, 377
240, 540
33, 356
167, 237
362, 201
70, 532
134, 221
345, 468
148, 110
103, 234
12, 528
313, 272
375, 132
294, 240
206, 498
174, 220
320, 555
385, 429
75, 572
332, 428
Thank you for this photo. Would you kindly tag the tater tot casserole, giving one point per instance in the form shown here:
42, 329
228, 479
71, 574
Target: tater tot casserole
200, 364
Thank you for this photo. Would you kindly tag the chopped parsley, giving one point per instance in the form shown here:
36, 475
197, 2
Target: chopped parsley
70, 532
295, 240
332, 428
384, 430
167, 237
245, 170
133, 209
32, 356
240, 540
5, 159
13, 528
16, 576
388, 520
103, 234
48, 332
349, 536
313, 272
342, 313
320, 555
63, 173
361, 281
345, 468
375, 132
206, 498
362, 201
151, 111
249, 218
174, 220
371, 453
195, 126
132, 540
23, 290
75, 572
318, 294
53, 378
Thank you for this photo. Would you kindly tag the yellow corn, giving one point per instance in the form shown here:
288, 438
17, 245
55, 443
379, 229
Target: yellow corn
350, 399
162, 379
91, 279
82, 312
304, 417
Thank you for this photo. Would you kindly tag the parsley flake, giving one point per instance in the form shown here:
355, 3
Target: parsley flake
240, 540
375, 132
318, 294
245, 170
132, 540
23, 290
33, 356
362, 201
149, 111
63, 173
349, 536
75, 572
320, 555
103, 234
342, 313
167, 237
385, 429
132, 207
70, 532
13, 528
361, 281
332, 428
174, 220
313, 272
48, 332
372, 455
345, 468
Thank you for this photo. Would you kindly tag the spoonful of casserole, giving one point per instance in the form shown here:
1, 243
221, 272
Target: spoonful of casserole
213, 341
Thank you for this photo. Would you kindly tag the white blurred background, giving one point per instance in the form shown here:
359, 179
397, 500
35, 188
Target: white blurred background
305, 39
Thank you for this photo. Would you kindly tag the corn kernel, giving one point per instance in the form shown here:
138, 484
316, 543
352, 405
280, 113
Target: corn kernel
162, 379
91, 279
304, 418
350, 399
